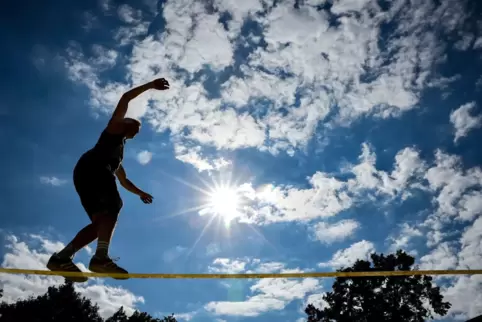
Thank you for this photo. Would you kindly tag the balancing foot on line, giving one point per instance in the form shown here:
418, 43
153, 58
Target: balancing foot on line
58, 263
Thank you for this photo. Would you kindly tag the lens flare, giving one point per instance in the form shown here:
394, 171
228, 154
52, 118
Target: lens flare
224, 202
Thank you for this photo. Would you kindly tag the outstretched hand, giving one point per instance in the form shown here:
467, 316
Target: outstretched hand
146, 198
160, 84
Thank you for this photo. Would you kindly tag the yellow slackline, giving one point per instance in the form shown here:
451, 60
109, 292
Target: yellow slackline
244, 276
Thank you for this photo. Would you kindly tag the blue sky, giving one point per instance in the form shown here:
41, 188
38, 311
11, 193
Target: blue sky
345, 127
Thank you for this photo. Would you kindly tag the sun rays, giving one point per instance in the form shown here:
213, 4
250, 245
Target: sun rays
222, 201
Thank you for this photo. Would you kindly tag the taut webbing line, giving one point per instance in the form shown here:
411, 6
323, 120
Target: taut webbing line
244, 276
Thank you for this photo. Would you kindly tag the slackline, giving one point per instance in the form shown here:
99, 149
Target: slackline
243, 276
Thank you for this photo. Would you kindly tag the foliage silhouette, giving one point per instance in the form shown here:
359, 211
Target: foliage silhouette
63, 303
384, 298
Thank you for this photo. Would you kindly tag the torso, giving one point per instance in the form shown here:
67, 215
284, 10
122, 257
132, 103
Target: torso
107, 153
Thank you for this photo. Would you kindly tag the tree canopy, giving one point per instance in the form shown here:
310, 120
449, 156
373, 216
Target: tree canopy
385, 298
62, 303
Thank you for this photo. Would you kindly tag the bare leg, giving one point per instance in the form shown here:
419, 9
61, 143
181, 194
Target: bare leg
83, 238
63, 260
104, 225
101, 263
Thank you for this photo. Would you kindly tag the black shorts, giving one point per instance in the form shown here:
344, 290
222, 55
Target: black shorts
97, 189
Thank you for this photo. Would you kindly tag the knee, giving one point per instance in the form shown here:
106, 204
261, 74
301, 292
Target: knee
115, 206
106, 218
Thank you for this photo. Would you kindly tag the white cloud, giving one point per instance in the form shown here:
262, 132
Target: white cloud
442, 257
128, 35
207, 30
348, 256
270, 294
267, 294
249, 265
478, 43
325, 197
406, 234
363, 77
103, 57
227, 265
128, 14
470, 255
105, 4
407, 168
144, 157
239, 10
329, 233
53, 181
173, 253
20, 254
463, 121
463, 292
88, 250
457, 190
193, 156
465, 42
316, 300
465, 295
184, 316
268, 267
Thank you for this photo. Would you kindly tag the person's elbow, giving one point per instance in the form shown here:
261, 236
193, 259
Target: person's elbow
126, 98
124, 182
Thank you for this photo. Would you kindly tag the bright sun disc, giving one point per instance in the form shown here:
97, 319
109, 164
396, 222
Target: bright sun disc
224, 202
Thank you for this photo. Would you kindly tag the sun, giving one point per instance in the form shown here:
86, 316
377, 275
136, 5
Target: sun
224, 202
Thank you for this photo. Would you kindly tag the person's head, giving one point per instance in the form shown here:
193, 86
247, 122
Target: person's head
132, 126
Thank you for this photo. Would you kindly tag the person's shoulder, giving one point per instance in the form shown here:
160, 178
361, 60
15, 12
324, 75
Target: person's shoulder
115, 127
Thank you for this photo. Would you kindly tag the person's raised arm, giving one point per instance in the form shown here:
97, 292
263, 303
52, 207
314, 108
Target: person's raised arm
123, 104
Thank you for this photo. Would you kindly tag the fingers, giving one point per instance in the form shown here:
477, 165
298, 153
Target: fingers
161, 83
147, 199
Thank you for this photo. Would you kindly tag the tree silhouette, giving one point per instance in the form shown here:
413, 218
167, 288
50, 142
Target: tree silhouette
384, 298
119, 316
58, 304
63, 303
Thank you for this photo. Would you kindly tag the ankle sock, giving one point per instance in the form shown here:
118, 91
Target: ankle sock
67, 252
102, 249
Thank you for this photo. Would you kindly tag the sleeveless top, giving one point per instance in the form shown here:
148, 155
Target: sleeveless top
107, 153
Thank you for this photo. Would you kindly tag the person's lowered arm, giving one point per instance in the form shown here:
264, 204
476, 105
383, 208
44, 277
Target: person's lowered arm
129, 186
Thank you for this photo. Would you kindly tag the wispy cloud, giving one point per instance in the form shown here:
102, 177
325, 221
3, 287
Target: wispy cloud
458, 191
394, 74
327, 194
269, 295
463, 292
329, 233
193, 156
53, 181
173, 253
442, 257
463, 121
347, 257
144, 157
128, 14
227, 265
405, 235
